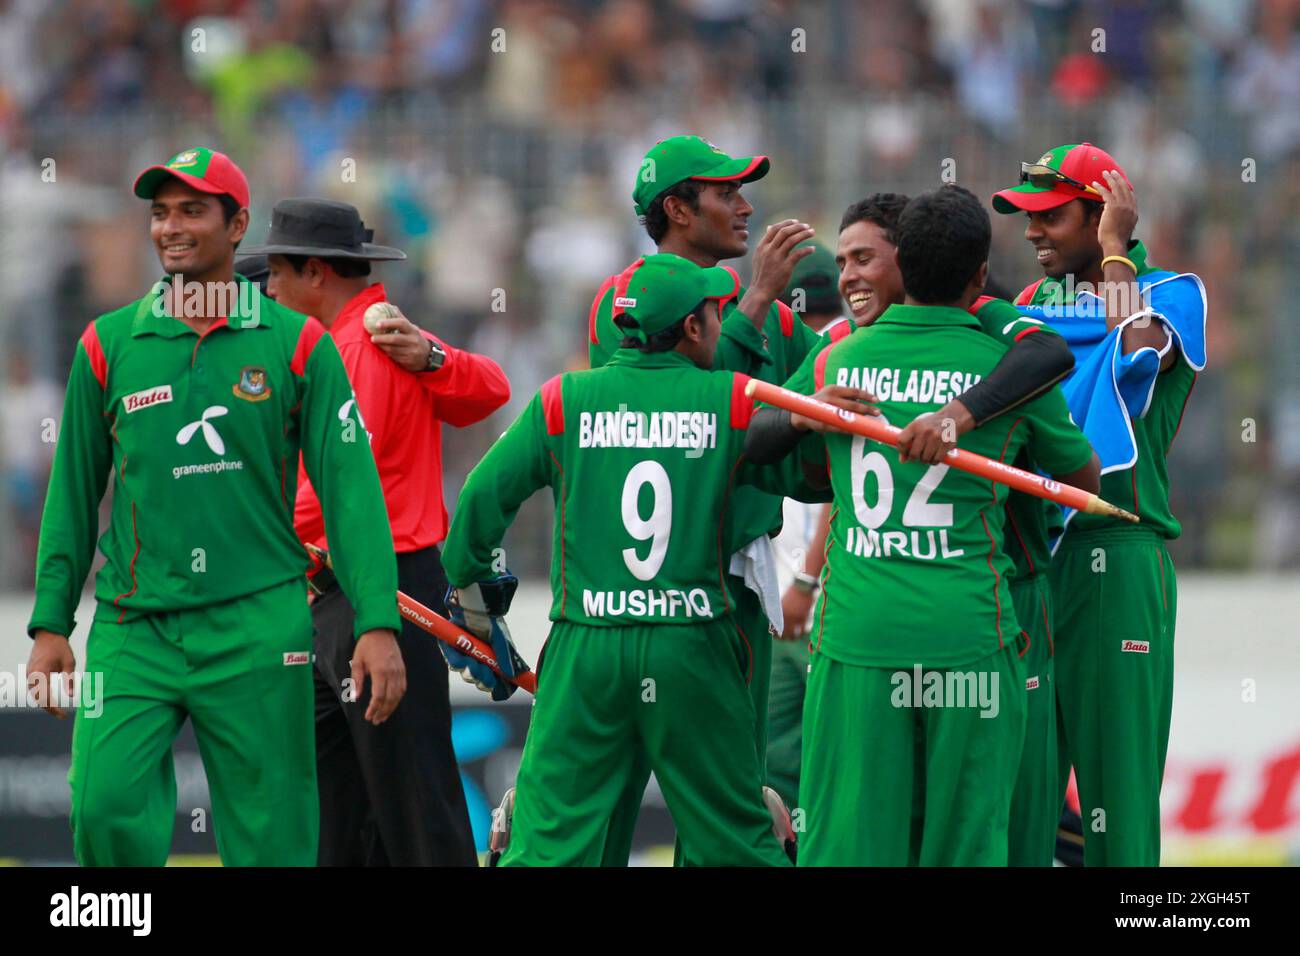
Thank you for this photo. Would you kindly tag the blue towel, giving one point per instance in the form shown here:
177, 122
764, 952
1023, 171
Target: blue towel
1107, 388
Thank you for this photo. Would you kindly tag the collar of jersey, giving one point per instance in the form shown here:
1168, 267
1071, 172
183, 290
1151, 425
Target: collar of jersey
638, 359
926, 315
146, 323
1136, 251
356, 306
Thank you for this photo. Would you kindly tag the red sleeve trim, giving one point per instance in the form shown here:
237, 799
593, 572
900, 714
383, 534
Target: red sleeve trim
95, 353
980, 303
312, 332
819, 368
841, 330
553, 406
1023, 332
742, 406
787, 318
595, 309
1027, 293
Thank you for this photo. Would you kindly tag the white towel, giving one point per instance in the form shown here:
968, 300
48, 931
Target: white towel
756, 563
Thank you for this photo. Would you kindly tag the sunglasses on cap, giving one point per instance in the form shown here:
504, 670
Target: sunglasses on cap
1043, 176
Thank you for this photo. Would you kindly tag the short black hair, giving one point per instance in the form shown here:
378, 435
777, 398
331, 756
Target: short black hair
229, 206
656, 220
665, 340
881, 208
943, 238
346, 268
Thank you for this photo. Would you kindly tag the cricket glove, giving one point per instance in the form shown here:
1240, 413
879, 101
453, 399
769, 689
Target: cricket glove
480, 609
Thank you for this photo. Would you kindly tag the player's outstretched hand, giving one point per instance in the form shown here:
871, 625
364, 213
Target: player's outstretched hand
378, 656
776, 255
929, 437
401, 340
841, 396
51, 661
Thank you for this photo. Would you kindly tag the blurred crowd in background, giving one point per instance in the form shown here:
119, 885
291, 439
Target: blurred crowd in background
497, 141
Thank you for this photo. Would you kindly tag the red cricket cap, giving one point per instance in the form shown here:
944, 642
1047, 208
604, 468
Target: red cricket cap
205, 169
1083, 162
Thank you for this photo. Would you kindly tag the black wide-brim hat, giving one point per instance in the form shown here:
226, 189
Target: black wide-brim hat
320, 227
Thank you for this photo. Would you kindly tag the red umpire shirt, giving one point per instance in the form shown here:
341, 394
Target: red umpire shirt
403, 414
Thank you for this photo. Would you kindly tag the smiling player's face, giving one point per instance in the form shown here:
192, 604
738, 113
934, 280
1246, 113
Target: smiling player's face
870, 281
1064, 238
190, 233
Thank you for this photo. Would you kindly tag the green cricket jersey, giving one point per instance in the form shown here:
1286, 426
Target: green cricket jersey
1028, 518
203, 435
770, 355
642, 457
1144, 488
915, 551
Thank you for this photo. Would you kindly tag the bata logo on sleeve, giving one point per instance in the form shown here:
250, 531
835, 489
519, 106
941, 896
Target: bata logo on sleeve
296, 657
1031, 683
625, 302
158, 395
1136, 647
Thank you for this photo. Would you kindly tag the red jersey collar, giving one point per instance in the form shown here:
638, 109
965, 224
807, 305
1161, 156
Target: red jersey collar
357, 305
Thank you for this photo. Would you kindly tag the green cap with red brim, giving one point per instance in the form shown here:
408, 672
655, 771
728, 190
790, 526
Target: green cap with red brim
204, 169
1081, 162
659, 291
674, 160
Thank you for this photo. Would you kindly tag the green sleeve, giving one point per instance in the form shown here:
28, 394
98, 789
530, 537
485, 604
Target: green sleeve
1056, 444
336, 454
740, 346
1001, 320
82, 460
803, 380
518, 464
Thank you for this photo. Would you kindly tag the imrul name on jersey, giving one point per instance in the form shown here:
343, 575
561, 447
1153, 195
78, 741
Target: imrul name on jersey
924, 545
627, 429
919, 385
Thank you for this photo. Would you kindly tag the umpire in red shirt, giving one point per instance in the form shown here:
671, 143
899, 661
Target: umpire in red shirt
389, 794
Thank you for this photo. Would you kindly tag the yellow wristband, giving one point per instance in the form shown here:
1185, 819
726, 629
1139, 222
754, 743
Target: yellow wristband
1124, 259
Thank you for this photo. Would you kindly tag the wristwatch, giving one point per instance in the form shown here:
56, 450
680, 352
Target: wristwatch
807, 583
436, 357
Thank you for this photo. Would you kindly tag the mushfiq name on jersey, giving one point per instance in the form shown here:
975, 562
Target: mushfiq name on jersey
626, 429
921, 545
919, 385
647, 603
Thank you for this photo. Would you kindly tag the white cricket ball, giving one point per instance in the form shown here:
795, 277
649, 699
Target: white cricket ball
378, 311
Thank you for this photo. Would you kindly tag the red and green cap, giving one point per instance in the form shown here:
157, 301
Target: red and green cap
674, 160
205, 169
659, 291
1076, 165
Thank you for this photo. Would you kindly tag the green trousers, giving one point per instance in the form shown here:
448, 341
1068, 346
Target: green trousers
756, 638
785, 717
1116, 601
675, 693
241, 672
1036, 803
888, 783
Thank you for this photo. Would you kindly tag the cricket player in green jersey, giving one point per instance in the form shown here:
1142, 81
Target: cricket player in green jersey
199, 398
1036, 358
641, 456
1114, 588
688, 194
913, 731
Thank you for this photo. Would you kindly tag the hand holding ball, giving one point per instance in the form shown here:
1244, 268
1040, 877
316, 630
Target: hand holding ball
378, 312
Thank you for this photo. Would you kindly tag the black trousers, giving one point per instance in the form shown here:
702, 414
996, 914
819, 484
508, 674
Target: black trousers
389, 795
